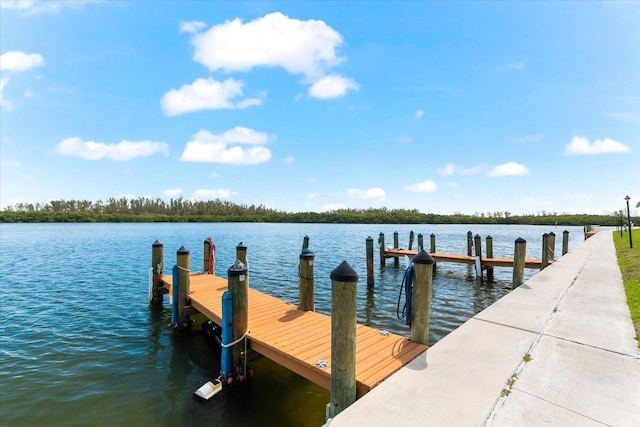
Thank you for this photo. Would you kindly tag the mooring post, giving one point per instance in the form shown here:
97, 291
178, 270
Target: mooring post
565, 242
381, 243
469, 243
477, 242
157, 264
370, 280
238, 285
396, 245
489, 250
410, 240
420, 242
306, 280
241, 255
305, 242
545, 252
422, 284
343, 338
208, 254
519, 252
552, 246
432, 246
183, 262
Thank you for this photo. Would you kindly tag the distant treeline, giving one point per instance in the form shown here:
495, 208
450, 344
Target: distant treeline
181, 210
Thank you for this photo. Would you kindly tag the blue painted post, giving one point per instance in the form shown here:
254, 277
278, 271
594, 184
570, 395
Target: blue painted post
226, 354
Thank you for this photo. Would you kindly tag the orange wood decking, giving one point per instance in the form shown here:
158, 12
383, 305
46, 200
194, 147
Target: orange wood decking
298, 339
465, 259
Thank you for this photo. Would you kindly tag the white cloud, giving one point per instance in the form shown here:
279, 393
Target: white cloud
512, 66
332, 86
527, 138
404, 139
122, 151
579, 196
289, 160
191, 26
451, 169
509, 169
333, 207
311, 196
19, 61
214, 193
214, 175
216, 148
372, 193
419, 114
173, 192
580, 145
206, 94
274, 40
427, 186
4, 104
627, 117
45, 6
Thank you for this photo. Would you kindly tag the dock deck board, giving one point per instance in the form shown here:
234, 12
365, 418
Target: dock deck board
464, 259
298, 339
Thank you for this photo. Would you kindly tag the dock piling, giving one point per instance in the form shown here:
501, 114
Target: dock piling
396, 245
381, 244
545, 251
305, 242
208, 256
157, 264
183, 262
565, 242
469, 243
420, 242
477, 242
306, 280
552, 246
422, 284
369, 246
519, 252
489, 251
432, 246
343, 338
410, 239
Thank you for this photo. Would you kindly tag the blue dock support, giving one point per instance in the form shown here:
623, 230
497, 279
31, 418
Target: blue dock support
226, 356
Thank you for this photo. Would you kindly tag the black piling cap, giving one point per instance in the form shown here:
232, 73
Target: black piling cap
157, 243
419, 234
306, 254
552, 234
477, 236
545, 235
183, 251
489, 237
423, 257
237, 269
520, 240
241, 246
369, 239
565, 231
433, 235
344, 273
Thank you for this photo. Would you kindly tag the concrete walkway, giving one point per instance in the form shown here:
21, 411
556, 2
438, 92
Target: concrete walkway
559, 350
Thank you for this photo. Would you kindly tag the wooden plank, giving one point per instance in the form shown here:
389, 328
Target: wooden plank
298, 339
465, 259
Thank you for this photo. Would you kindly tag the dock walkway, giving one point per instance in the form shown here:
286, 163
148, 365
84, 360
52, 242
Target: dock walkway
298, 339
465, 259
558, 350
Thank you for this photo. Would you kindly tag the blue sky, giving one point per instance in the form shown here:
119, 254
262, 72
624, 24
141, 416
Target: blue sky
311, 106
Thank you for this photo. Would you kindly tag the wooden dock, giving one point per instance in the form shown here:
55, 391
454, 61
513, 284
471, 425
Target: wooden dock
465, 259
298, 339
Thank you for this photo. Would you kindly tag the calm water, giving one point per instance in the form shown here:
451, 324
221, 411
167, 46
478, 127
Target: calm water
79, 345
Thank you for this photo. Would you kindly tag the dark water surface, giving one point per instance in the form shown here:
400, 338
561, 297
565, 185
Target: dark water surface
80, 347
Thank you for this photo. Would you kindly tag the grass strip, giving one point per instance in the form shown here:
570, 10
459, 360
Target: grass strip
629, 262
